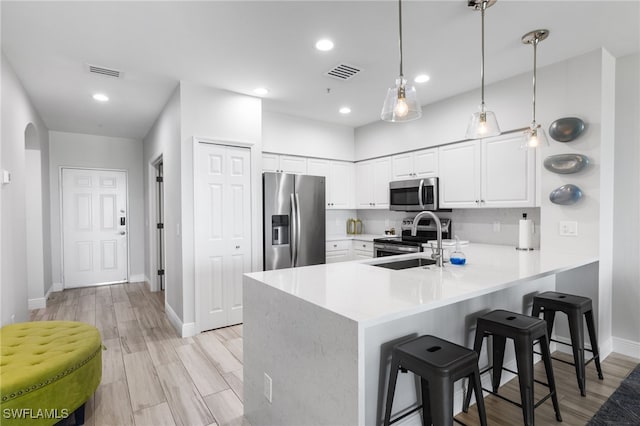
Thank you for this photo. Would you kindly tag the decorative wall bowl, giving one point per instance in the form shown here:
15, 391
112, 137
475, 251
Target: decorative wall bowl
566, 129
566, 163
565, 195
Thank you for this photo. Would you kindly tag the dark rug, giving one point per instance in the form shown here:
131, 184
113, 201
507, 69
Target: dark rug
623, 406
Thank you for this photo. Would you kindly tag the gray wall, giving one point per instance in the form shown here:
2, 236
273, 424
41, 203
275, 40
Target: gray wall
101, 152
17, 114
626, 250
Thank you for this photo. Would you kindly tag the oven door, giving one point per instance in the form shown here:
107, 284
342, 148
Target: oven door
413, 195
382, 250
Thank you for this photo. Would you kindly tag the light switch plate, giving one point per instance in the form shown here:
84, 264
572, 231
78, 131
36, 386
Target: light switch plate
568, 228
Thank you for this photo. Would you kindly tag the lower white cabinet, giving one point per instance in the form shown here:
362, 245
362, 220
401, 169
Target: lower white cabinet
338, 251
362, 249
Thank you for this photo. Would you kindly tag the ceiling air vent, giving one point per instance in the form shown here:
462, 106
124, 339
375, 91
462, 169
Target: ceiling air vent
343, 72
107, 72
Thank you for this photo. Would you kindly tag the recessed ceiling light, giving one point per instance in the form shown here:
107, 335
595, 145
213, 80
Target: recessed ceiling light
345, 110
261, 91
100, 97
324, 45
422, 78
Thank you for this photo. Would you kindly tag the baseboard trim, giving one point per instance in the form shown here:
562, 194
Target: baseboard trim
38, 303
137, 278
57, 287
185, 330
626, 347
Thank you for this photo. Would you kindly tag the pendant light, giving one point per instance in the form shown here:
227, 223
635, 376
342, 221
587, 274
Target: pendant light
483, 123
534, 136
401, 103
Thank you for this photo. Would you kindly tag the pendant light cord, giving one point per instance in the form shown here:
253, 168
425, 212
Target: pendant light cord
535, 48
400, 33
482, 9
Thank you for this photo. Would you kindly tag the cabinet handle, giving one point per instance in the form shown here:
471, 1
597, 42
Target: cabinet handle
482, 201
335, 245
364, 245
237, 247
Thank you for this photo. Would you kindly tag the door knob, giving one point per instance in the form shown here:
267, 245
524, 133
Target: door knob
237, 247
122, 232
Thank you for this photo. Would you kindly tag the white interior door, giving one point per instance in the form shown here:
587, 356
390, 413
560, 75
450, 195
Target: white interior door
94, 215
223, 232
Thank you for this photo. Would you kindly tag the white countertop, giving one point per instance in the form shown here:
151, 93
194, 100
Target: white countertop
369, 294
357, 237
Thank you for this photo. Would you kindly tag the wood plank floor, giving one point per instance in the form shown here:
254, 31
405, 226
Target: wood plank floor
153, 377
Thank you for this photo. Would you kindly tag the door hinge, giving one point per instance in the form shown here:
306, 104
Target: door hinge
160, 226
160, 271
159, 179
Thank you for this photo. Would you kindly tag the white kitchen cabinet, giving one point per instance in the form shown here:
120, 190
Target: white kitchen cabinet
338, 251
372, 183
340, 183
362, 249
423, 163
284, 163
491, 172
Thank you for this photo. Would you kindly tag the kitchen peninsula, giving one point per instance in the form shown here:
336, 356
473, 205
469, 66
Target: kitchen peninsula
322, 334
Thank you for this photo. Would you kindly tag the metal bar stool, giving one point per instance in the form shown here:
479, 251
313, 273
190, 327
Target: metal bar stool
524, 331
574, 307
439, 364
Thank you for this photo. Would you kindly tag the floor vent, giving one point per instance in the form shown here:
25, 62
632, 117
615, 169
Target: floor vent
343, 72
107, 72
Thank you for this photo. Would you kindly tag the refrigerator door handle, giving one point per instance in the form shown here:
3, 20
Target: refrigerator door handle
293, 240
298, 228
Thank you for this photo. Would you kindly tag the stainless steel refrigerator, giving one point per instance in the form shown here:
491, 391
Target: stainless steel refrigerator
294, 220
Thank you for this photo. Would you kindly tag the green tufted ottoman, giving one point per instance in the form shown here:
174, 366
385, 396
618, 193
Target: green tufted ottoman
48, 370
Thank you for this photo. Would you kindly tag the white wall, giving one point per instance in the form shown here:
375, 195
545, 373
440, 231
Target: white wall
218, 116
17, 112
626, 232
286, 134
102, 152
164, 139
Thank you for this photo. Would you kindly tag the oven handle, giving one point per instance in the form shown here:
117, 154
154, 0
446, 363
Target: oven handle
420, 194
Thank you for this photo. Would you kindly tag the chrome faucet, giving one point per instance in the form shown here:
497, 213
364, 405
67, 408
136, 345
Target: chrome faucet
414, 230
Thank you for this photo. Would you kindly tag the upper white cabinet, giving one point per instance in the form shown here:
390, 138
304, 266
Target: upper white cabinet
372, 183
423, 163
284, 164
340, 183
492, 172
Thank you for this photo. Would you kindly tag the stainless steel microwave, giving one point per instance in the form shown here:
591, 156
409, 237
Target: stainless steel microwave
414, 194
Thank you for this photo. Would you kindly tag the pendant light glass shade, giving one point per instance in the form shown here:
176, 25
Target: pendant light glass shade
401, 103
534, 136
483, 123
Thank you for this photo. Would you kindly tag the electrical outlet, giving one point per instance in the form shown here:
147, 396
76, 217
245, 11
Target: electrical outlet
568, 228
267, 387
496, 226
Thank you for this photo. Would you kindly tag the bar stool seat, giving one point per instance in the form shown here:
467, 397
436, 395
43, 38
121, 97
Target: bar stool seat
575, 307
524, 331
439, 363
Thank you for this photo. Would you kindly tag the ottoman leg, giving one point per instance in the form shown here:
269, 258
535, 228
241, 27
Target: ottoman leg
79, 415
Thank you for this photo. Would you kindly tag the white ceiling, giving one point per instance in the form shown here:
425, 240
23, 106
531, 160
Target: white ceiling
240, 45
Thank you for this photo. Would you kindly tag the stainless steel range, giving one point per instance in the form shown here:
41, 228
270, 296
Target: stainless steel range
390, 246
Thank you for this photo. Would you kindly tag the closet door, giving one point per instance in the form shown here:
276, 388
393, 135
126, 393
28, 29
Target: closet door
223, 232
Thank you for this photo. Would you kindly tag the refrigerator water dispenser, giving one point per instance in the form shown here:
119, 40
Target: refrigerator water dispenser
279, 229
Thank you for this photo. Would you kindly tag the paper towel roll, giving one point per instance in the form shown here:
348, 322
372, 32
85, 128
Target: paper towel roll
525, 235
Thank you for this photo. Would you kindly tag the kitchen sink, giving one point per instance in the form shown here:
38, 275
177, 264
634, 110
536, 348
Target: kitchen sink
406, 264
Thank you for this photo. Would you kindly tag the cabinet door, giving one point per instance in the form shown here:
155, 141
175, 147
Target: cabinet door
297, 165
318, 167
342, 185
381, 176
508, 173
270, 162
364, 188
425, 163
459, 166
402, 166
